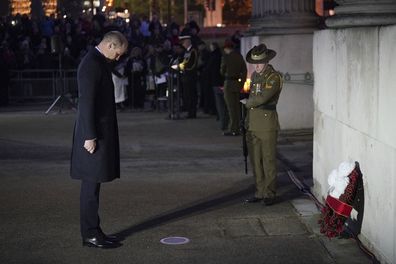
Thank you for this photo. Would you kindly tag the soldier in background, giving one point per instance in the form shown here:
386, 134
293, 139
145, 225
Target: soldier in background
262, 123
233, 68
188, 67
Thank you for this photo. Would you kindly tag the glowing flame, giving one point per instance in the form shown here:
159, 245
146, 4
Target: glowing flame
246, 86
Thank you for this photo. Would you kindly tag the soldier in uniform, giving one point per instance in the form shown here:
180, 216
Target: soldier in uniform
189, 78
233, 68
262, 123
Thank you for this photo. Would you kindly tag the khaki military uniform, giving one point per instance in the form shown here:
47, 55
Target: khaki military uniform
262, 129
233, 68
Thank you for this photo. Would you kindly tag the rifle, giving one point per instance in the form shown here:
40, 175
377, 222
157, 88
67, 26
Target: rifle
244, 143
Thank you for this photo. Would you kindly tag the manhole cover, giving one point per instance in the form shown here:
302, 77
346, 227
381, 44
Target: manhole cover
174, 240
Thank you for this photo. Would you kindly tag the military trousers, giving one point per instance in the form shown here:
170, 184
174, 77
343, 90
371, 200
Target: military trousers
262, 153
231, 99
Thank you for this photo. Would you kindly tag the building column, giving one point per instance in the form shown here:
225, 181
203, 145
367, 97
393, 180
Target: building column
283, 17
287, 26
355, 13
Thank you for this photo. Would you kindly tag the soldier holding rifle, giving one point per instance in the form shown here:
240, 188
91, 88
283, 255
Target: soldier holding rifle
262, 122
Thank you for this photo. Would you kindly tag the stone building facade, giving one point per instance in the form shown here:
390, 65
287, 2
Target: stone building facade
354, 63
352, 103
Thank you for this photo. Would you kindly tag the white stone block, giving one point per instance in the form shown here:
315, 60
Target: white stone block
325, 59
357, 75
387, 86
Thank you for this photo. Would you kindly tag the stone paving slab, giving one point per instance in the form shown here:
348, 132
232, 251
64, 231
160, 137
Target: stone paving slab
283, 226
179, 178
241, 227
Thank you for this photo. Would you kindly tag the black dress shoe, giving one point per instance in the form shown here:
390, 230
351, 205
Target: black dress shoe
253, 200
269, 201
99, 242
111, 238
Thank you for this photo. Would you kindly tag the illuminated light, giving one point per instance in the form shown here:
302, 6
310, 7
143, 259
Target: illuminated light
331, 12
122, 14
109, 2
64, 16
246, 86
127, 20
83, 11
175, 240
103, 8
13, 22
49, 6
126, 11
20, 6
218, 25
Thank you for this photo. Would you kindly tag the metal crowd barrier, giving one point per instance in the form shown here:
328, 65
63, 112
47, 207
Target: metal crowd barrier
42, 84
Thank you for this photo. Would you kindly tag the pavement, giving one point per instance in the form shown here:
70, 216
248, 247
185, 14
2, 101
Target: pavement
179, 178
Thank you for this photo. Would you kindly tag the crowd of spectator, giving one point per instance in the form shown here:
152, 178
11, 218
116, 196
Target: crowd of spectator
27, 43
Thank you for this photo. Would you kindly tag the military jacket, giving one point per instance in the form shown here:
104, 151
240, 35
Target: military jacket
189, 63
233, 68
265, 89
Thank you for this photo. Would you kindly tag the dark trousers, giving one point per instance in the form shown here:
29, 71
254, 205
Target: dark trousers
89, 207
136, 90
222, 111
231, 99
208, 97
190, 94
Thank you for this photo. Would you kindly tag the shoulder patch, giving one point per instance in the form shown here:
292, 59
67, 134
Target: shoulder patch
275, 78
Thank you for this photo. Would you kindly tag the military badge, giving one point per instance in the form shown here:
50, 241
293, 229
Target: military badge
269, 84
258, 88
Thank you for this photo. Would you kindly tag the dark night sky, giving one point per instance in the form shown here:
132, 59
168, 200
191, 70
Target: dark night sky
3, 7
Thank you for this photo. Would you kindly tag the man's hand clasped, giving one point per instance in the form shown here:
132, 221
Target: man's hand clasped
90, 145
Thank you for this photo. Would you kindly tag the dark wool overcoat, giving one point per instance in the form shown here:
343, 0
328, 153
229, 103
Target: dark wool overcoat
96, 118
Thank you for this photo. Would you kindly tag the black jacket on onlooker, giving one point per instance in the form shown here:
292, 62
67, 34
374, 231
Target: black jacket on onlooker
214, 62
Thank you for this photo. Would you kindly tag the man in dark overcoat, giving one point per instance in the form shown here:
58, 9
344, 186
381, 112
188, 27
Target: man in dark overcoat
95, 153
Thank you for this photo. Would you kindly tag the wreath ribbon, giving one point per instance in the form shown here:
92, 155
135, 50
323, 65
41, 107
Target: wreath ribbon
338, 206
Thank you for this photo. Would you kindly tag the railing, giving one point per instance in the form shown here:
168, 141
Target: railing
299, 78
47, 84
43, 84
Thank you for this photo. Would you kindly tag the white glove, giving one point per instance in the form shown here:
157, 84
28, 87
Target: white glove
243, 101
